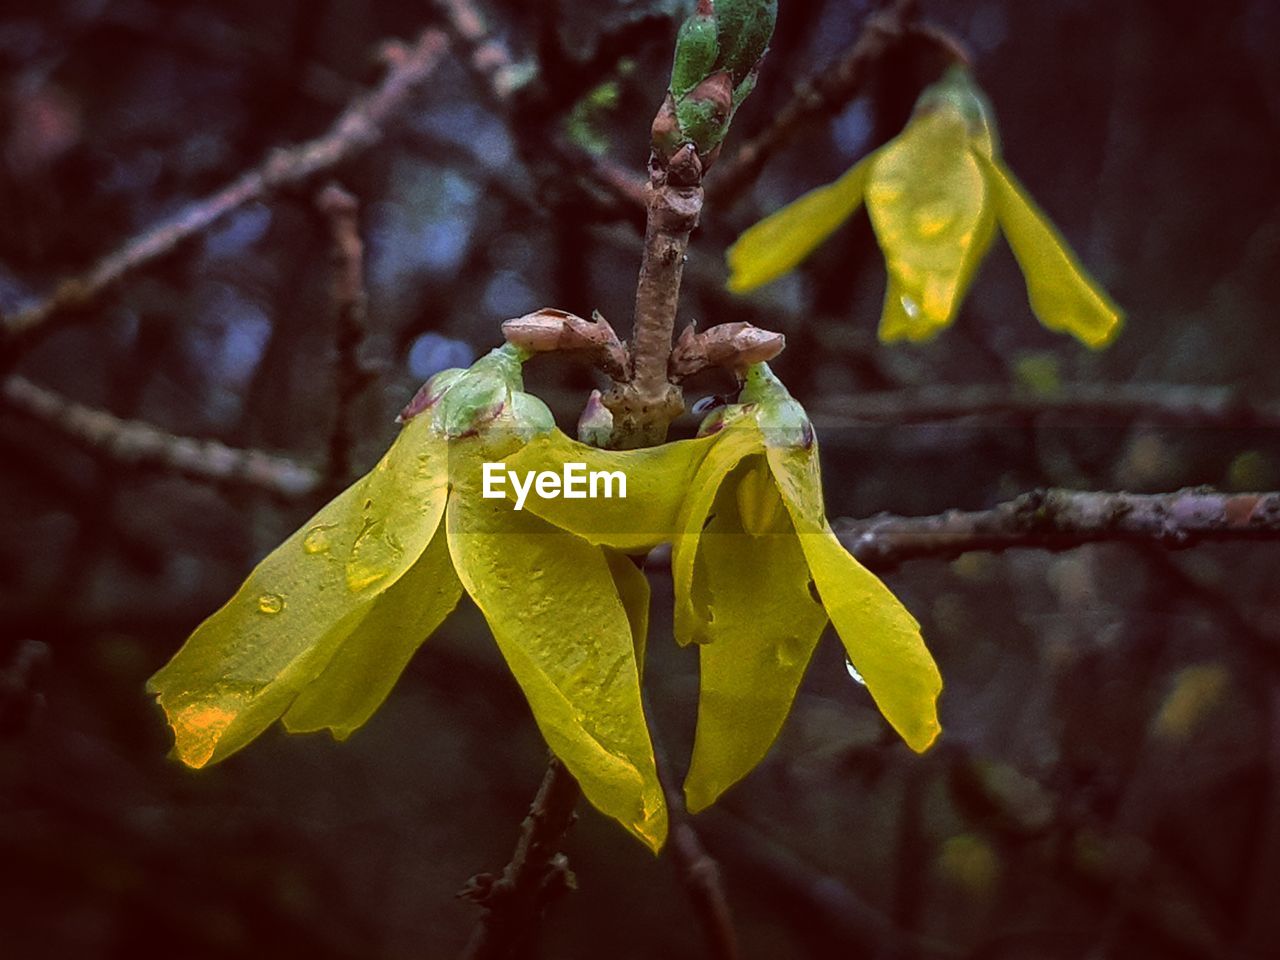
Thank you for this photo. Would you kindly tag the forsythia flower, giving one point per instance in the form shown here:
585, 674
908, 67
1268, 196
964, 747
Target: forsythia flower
758, 574
323, 627
935, 195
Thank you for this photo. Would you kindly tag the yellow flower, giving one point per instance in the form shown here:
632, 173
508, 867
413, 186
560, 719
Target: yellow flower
935, 195
758, 574
323, 627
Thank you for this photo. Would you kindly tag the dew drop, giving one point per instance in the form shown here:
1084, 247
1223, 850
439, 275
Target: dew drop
853, 672
270, 603
316, 540
911, 307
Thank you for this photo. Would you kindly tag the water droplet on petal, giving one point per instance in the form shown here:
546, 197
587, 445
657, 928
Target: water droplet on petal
373, 555
270, 603
910, 306
316, 540
853, 672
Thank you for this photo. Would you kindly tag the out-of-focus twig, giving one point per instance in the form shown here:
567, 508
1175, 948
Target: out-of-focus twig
357, 128
1062, 519
699, 872
137, 444
1172, 404
351, 306
537, 871
487, 56
827, 92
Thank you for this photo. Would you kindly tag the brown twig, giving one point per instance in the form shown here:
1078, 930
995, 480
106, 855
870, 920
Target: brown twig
645, 405
486, 56
137, 444
537, 871
1063, 519
698, 871
351, 306
359, 126
823, 94
1156, 402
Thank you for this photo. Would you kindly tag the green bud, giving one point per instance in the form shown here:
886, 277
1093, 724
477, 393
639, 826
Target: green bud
476, 396
474, 401
958, 92
781, 419
531, 417
721, 417
704, 123
595, 425
429, 393
745, 28
695, 56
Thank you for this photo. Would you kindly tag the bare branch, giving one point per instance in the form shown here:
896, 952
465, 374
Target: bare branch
137, 444
514, 902
698, 871
351, 305
1062, 519
1164, 403
488, 57
358, 127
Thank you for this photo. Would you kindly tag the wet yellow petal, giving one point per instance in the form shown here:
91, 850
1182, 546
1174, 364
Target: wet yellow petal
633, 591
369, 661
765, 625
552, 603
926, 196
242, 668
779, 242
1062, 295
656, 481
879, 634
729, 446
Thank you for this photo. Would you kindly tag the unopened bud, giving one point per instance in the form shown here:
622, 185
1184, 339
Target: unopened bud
429, 393
595, 425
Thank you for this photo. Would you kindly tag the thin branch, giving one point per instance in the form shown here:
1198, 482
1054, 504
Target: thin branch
821, 95
137, 444
1172, 404
698, 871
1063, 519
351, 306
357, 128
486, 56
514, 902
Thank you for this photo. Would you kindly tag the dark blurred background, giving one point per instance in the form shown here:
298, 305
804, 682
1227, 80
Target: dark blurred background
1108, 783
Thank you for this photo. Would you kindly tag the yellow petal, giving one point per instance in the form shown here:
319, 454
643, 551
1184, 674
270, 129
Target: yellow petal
779, 242
880, 636
242, 668
370, 660
728, 447
764, 628
633, 591
1062, 295
552, 604
656, 481
926, 197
